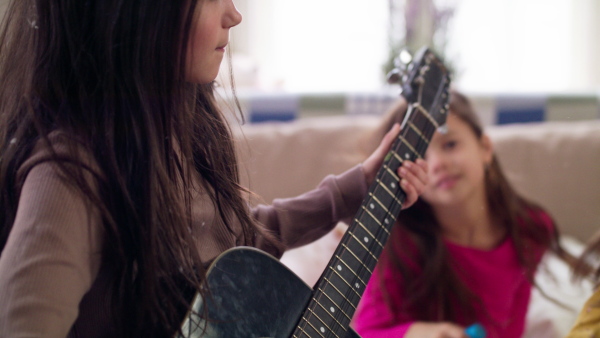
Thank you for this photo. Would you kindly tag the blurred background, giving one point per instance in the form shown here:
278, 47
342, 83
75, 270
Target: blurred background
519, 60
493, 45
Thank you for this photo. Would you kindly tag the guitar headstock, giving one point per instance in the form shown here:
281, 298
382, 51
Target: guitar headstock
424, 82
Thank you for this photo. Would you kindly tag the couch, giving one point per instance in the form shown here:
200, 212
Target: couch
552, 163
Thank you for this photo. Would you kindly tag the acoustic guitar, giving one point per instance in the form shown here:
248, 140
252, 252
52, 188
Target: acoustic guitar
251, 294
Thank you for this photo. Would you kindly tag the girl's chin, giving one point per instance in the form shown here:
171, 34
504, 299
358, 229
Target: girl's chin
444, 198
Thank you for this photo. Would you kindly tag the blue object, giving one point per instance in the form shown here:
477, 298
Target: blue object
475, 331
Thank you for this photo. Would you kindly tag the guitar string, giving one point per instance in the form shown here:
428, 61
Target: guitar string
322, 292
362, 282
348, 301
341, 325
392, 195
332, 301
361, 244
344, 280
390, 172
324, 324
369, 233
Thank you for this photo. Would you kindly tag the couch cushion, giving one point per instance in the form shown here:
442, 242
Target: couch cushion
556, 164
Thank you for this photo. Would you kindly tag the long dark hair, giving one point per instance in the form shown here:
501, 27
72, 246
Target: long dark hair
419, 241
108, 76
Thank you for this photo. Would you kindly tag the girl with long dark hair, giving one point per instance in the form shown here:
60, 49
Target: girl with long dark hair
118, 177
466, 252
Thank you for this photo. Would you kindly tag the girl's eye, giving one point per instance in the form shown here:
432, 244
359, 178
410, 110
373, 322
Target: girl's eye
448, 145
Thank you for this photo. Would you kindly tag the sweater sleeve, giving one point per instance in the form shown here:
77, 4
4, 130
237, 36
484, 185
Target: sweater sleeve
51, 257
300, 220
373, 318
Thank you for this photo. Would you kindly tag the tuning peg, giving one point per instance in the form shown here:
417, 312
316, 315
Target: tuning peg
402, 65
404, 57
395, 76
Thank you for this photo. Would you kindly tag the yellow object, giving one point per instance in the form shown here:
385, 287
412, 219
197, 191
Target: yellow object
588, 321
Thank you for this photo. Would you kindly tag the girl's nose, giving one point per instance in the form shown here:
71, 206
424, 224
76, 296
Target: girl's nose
233, 17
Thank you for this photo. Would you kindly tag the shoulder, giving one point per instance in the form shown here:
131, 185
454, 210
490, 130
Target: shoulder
540, 217
54, 156
53, 200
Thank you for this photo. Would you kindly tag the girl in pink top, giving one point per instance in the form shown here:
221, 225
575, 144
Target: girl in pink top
465, 253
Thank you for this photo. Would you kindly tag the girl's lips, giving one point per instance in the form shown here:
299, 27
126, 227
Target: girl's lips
222, 48
446, 182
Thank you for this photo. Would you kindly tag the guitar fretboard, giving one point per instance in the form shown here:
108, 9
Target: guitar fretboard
339, 290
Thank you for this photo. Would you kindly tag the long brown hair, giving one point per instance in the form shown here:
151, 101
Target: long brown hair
431, 289
109, 76
586, 265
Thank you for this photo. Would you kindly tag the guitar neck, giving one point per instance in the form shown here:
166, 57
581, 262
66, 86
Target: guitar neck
338, 291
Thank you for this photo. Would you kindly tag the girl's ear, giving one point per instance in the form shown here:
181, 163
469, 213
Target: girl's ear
487, 148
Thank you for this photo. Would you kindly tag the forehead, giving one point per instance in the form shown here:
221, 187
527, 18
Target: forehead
454, 126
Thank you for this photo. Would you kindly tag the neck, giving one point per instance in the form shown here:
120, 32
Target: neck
470, 224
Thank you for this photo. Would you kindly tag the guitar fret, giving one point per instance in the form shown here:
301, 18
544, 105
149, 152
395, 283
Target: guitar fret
391, 172
345, 281
332, 301
358, 259
314, 328
400, 159
388, 220
357, 276
388, 191
360, 242
331, 314
372, 216
409, 146
413, 127
369, 232
301, 329
415, 140
338, 291
380, 204
426, 114
377, 220
323, 322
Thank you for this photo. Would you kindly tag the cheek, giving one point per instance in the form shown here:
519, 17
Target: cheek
200, 56
198, 41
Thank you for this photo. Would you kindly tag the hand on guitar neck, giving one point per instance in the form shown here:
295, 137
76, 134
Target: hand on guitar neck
413, 174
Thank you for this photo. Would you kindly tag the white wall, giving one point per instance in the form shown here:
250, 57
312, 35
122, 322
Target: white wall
314, 45
496, 45
527, 45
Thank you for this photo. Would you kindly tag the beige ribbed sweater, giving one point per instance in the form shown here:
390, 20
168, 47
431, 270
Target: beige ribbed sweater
53, 282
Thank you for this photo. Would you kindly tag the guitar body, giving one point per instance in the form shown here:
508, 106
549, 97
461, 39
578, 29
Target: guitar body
251, 295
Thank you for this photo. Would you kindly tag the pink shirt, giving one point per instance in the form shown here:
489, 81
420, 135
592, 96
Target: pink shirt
492, 275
